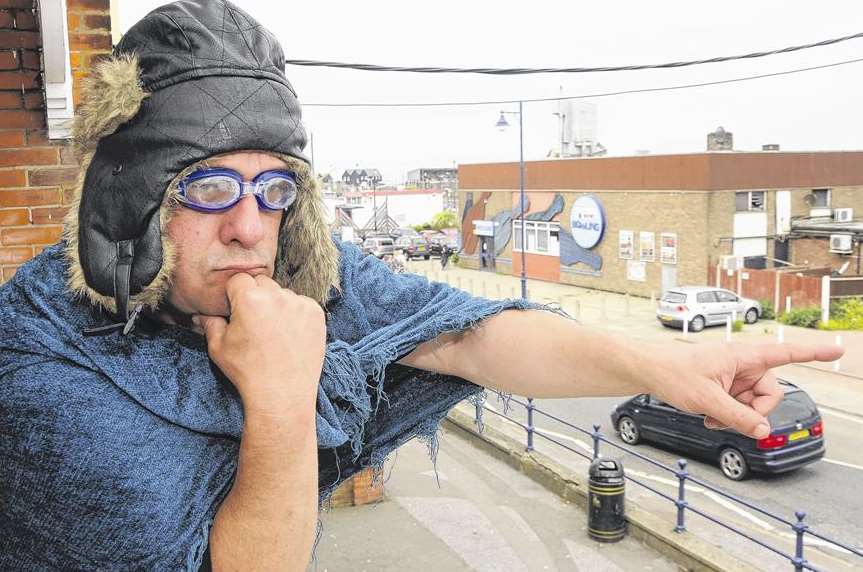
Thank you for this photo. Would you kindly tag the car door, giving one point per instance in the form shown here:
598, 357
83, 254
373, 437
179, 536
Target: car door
658, 421
730, 304
693, 436
708, 306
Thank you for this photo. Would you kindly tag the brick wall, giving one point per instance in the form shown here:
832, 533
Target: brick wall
37, 175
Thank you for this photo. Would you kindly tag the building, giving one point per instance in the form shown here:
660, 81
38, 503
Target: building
402, 208
646, 223
362, 178
445, 179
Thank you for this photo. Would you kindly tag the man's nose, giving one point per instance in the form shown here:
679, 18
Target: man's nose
242, 223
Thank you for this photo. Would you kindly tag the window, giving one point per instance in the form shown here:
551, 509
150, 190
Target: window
674, 297
755, 201
706, 298
723, 296
822, 198
541, 237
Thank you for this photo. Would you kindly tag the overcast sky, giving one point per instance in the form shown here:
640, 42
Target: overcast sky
815, 110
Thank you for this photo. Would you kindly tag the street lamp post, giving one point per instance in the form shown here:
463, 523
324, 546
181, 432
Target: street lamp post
375, 205
502, 123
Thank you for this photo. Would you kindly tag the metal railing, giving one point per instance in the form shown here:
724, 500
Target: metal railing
799, 528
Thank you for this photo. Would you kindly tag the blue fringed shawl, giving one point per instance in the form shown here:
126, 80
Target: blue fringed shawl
115, 452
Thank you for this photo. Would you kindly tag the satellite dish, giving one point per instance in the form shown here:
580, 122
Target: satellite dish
809, 199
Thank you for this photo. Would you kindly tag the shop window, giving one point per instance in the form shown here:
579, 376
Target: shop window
822, 198
754, 201
541, 237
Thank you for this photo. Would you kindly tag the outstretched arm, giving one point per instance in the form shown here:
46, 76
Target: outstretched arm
540, 354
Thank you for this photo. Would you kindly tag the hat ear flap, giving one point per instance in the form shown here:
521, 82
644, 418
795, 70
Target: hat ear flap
110, 96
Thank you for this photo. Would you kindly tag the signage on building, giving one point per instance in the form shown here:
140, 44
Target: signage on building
483, 227
647, 246
587, 220
624, 246
636, 270
668, 248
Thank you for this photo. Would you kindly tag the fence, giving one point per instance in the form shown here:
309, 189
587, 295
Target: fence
798, 527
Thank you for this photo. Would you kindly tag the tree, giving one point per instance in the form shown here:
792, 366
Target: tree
443, 219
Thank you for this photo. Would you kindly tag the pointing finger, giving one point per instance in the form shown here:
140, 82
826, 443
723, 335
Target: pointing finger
775, 355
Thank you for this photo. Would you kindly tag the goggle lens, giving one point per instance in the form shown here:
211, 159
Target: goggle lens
220, 190
212, 192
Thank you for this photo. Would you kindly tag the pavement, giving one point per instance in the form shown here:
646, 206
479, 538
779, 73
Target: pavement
835, 386
483, 515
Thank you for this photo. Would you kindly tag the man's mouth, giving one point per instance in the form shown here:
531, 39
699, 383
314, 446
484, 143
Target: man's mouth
254, 270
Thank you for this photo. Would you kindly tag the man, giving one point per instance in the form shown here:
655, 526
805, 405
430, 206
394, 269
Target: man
129, 441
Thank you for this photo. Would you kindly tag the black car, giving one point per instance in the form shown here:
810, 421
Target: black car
796, 438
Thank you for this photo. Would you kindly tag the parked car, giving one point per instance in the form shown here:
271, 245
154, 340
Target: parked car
796, 438
378, 246
702, 306
437, 242
413, 247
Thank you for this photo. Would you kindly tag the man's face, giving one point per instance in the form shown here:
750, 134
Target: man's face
212, 247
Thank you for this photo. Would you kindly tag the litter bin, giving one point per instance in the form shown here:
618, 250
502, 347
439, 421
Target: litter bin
606, 519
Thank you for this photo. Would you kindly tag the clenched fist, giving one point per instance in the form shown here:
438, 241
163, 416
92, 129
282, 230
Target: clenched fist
272, 349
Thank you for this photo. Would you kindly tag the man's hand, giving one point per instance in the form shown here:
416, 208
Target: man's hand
732, 384
273, 347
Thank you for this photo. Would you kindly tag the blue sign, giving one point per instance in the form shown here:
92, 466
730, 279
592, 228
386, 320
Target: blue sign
587, 219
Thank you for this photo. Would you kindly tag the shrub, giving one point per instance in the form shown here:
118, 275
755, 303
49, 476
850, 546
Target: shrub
845, 314
737, 325
768, 312
805, 317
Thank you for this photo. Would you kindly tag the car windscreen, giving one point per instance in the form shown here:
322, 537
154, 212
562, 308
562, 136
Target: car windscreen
796, 406
674, 297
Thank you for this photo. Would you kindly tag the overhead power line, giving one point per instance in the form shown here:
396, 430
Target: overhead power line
586, 96
523, 71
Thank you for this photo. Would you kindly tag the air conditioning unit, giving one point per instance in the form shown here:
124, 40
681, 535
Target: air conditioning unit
843, 215
731, 262
841, 243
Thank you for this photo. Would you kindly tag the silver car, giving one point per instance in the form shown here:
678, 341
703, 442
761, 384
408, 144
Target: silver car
701, 306
379, 246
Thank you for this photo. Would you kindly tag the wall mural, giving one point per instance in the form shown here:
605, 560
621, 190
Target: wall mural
587, 220
472, 211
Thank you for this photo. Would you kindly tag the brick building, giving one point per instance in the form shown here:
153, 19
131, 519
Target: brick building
45, 49
644, 224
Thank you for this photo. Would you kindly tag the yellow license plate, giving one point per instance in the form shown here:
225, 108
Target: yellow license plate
797, 435
666, 318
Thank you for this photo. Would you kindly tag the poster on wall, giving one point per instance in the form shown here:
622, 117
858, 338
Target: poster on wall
647, 246
668, 248
636, 270
625, 246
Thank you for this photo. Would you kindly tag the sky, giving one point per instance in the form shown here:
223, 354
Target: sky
810, 111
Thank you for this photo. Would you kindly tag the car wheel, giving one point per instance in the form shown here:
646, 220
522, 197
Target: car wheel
628, 430
751, 316
427, 257
733, 464
697, 324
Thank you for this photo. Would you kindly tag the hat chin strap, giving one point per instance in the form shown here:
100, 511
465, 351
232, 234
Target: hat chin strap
122, 278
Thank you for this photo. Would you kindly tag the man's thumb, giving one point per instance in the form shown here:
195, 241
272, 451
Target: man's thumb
739, 416
213, 327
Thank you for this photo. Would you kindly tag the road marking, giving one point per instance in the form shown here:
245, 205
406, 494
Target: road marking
844, 464
840, 415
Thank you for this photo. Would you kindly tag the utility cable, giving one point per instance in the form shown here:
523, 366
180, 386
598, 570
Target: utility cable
586, 96
522, 71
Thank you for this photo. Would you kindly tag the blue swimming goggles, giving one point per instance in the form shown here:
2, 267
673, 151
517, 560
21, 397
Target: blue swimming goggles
215, 189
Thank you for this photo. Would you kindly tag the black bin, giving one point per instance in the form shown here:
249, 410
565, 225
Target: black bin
606, 519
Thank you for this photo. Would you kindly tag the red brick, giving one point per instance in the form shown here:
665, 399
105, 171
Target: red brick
31, 60
12, 138
19, 80
6, 19
67, 157
100, 41
34, 100
37, 138
7, 272
48, 215
73, 22
29, 197
25, 20
30, 235
97, 22
11, 100
19, 39
35, 156
68, 196
85, 5
15, 178
15, 255
9, 60
53, 177
14, 217
25, 4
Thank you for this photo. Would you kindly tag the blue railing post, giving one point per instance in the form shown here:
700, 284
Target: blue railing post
530, 424
681, 495
478, 404
800, 528
596, 437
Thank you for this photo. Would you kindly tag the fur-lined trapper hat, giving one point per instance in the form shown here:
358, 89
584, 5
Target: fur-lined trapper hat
191, 80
